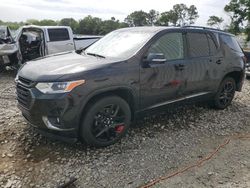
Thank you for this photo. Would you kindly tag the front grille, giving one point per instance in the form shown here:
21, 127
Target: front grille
25, 81
23, 93
23, 96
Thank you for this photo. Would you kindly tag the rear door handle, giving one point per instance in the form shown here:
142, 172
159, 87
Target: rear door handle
179, 67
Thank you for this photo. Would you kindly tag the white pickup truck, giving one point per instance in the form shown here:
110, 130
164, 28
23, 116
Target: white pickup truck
32, 41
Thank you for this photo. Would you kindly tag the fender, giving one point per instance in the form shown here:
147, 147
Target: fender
135, 95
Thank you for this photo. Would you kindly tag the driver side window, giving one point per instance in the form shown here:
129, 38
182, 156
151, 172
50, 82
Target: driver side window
170, 44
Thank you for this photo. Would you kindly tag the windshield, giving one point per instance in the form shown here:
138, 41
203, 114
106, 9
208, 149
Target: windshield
120, 44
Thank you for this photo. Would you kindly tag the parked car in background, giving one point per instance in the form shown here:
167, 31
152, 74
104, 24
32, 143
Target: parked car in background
247, 54
95, 95
32, 42
8, 48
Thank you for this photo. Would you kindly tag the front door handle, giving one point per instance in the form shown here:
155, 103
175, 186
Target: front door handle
219, 61
179, 67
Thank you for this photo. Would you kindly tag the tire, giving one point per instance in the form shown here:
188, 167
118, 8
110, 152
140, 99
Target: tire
225, 93
106, 121
248, 77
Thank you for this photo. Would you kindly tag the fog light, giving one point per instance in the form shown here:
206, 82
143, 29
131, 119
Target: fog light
53, 123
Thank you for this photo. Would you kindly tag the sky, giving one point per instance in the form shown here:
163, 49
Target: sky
21, 10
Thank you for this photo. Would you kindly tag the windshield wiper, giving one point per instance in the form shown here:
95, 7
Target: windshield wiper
96, 55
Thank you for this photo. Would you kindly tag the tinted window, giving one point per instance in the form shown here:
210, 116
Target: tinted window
231, 42
198, 45
212, 44
58, 34
171, 45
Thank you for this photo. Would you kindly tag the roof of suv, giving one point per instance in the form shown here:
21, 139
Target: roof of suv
156, 29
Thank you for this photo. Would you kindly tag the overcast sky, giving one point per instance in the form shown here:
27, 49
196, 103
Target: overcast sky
21, 10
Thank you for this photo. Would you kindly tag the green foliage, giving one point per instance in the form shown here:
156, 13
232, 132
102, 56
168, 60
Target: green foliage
111, 25
239, 12
215, 21
178, 16
184, 15
137, 18
44, 22
90, 25
71, 22
153, 17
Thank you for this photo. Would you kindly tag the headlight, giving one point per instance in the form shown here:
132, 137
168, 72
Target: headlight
58, 87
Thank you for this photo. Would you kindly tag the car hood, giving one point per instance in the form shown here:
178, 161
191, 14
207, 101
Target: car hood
58, 65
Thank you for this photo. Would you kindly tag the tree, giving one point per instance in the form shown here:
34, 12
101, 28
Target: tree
185, 15
214, 21
137, 18
178, 16
192, 14
153, 17
32, 22
44, 22
167, 18
239, 12
70, 22
90, 25
109, 25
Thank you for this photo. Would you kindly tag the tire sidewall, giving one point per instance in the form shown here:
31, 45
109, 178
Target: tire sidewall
92, 109
216, 100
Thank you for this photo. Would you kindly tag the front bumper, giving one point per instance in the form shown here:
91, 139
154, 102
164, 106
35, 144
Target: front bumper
54, 115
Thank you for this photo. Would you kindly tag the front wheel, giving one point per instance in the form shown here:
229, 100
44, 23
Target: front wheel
106, 121
225, 93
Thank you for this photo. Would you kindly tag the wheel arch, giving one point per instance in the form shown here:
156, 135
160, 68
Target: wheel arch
124, 92
238, 75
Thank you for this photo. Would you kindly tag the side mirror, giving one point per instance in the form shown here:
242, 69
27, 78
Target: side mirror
155, 58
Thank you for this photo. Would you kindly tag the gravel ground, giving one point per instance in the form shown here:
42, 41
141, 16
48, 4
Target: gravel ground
156, 145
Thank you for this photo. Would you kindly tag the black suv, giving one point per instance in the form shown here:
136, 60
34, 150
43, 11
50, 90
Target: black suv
95, 94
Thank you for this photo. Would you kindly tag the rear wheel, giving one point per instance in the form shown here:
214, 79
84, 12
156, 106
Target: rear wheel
225, 94
106, 121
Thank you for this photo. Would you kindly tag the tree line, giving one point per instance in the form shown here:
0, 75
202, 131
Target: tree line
179, 15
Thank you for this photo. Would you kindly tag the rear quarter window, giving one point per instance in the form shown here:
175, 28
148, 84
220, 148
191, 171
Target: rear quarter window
230, 42
59, 34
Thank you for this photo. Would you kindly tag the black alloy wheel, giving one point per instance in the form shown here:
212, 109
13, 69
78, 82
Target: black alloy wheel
106, 121
225, 93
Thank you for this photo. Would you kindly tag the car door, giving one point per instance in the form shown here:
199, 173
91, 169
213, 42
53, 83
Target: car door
161, 71
199, 66
60, 40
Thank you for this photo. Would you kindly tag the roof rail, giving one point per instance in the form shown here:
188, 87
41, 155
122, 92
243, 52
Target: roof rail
201, 27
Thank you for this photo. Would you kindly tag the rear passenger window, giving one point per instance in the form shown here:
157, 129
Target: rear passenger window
198, 44
58, 34
231, 42
171, 45
212, 44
